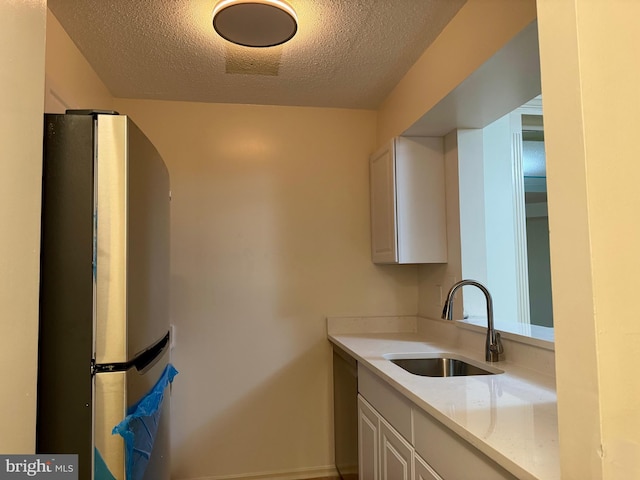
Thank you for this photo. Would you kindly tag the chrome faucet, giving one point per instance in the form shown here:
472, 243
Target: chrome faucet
493, 345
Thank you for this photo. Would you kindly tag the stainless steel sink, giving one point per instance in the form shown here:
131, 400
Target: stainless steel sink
442, 365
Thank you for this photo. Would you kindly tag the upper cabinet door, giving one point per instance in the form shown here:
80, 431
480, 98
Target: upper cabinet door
383, 206
408, 213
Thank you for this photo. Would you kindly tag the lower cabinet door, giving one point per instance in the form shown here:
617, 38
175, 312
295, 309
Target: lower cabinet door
422, 471
368, 444
396, 454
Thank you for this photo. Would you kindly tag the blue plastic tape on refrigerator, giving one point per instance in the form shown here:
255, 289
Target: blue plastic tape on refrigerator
139, 427
101, 471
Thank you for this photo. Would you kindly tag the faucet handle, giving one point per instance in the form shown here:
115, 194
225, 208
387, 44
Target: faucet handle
497, 347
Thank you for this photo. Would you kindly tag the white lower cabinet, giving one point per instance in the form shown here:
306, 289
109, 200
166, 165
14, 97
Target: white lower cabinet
399, 441
383, 453
422, 470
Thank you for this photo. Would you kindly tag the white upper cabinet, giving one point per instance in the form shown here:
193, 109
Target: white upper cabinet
408, 215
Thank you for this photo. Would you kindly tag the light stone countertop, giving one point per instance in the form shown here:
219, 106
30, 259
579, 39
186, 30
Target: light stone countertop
510, 417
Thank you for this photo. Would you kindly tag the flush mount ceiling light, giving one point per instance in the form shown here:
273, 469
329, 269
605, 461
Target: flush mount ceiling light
255, 23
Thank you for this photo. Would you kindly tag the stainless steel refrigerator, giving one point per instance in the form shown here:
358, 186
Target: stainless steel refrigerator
104, 311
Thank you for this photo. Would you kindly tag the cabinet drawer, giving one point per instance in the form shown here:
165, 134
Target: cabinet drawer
449, 455
392, 405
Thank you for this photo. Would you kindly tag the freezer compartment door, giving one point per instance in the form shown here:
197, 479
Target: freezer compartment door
115, 393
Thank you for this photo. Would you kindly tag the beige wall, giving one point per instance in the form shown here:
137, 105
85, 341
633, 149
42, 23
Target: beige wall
478, 30
270, 234
22, 37
70, 81
463, 46
591, 96
262, 251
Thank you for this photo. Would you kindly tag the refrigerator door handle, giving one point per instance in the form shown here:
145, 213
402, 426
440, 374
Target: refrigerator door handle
142, 362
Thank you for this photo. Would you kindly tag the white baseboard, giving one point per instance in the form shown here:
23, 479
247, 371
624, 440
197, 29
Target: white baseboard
298, 474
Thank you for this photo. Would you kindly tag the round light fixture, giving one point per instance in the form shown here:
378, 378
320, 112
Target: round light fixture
255, 23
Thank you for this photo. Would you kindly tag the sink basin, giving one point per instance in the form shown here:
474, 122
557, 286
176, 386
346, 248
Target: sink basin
441, 365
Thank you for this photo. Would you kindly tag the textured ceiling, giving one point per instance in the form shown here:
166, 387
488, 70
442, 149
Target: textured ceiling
347, 53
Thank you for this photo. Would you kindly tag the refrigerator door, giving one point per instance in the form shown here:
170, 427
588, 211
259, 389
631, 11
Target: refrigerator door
64, 403
114, 394
132, 241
